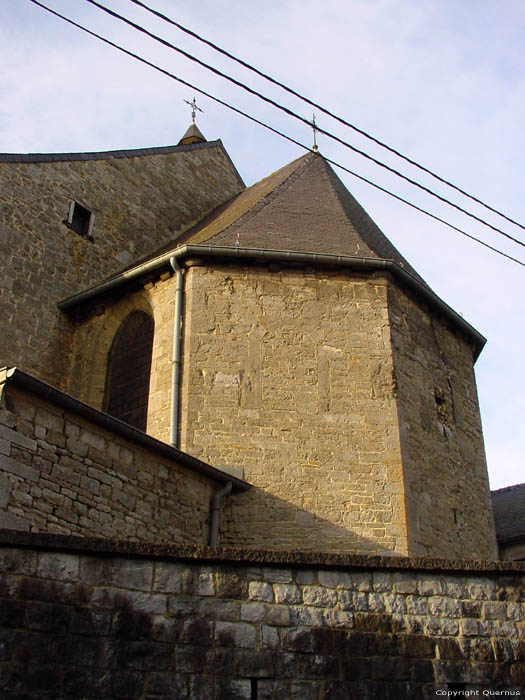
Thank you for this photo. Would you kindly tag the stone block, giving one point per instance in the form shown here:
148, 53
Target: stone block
228, 689
231, 585
197, 633
357, 601
50, 421
253, 612
404, 583
304, 577
229, 610
92, 439
431, 586
297, 639
131, 573
260, 590
319, 597
382, 581
18, 561
270, 637
304, 615
150, 603
55, 565
11, 521
206, 583
287, 593
168, 686
47, 617
236, 634
278, 615
338, 618
16, 438
334, 579
253, 664
17, 468
277, 575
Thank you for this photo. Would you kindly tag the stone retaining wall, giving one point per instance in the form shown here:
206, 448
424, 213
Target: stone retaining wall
226, 625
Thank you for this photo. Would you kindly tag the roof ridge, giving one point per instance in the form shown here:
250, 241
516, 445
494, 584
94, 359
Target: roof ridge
103, 155
365, 226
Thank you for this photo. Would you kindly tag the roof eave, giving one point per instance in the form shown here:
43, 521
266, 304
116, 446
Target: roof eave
18, 378
262, 254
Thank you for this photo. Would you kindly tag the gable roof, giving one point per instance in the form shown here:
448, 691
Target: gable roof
105, 155
508, 505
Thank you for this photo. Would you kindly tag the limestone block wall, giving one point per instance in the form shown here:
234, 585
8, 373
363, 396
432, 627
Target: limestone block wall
288, 373
140, 200
95, 332
192, 623
448, 501
63, 473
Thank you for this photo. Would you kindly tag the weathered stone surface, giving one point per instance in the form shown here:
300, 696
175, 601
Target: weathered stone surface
181, 185
107, 631
60, 489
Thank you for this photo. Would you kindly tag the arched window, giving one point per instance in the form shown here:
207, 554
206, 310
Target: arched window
129, 367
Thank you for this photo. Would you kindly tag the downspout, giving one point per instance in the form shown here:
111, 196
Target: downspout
215, 512
175, 377
175, 389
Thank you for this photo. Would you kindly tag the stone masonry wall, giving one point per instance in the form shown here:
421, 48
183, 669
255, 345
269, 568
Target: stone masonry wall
288, 374
92, 341
64, 474
139, 202
449, 509
200, 624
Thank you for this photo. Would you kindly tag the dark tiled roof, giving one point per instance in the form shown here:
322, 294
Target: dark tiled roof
101, 155
509, 512
303, 207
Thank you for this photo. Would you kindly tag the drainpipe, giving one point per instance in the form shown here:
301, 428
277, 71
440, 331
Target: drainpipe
175, 377
215, 512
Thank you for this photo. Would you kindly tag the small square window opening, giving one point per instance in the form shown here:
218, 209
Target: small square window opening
80, 219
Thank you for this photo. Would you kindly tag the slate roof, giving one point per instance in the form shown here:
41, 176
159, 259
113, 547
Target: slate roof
508, 505
303, 207
104, 155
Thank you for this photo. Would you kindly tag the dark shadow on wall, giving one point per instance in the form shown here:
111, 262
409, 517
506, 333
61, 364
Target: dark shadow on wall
257, 519
66, 640
128, 370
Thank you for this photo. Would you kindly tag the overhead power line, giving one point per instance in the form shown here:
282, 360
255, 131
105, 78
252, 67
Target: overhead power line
270, 128
324, 110
293, 114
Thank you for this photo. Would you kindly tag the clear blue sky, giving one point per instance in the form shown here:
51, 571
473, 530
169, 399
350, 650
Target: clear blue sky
441, 80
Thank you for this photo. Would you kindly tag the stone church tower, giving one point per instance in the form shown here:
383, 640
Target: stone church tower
273, 330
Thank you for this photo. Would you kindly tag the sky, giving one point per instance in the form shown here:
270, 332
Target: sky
442, 81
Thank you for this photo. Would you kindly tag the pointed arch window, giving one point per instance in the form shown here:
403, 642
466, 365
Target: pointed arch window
129, 368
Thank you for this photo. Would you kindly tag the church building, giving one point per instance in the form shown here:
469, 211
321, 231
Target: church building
241, 454
271, 331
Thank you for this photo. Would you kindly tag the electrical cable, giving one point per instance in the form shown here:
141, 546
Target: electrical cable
322, 109
270, 128
293, 114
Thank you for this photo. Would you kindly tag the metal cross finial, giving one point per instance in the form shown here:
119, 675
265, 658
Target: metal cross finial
314, 127
194, 109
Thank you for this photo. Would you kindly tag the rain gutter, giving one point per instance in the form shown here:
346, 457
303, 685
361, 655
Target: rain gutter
283, 256
22, 380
